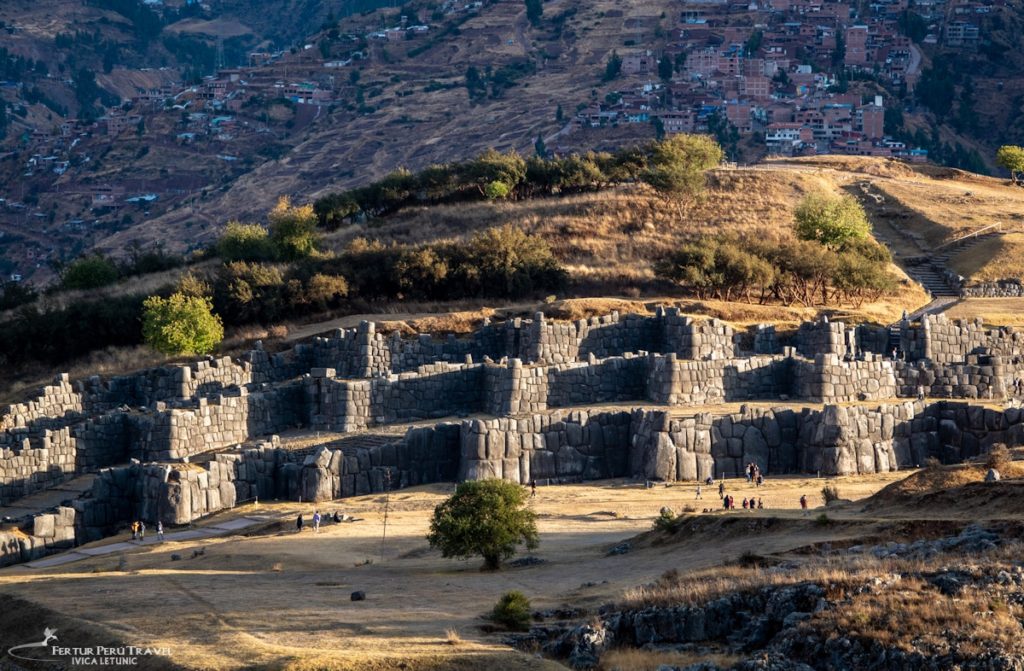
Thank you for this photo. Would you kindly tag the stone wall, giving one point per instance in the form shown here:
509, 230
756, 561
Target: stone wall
1010, 288
675, 381
830, 379
944, 341
557, 447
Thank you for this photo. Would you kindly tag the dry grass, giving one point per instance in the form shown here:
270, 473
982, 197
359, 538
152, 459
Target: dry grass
992, 311
928, 480
914, 616
636, 659
614, 235
452, 637
992, 259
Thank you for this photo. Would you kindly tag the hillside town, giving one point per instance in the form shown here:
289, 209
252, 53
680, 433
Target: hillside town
785, 78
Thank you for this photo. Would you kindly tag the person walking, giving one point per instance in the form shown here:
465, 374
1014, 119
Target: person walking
135, 530
533, 489
803, 503
298, 523
721, 490
698, 492
316, 522
142, 530
160, 531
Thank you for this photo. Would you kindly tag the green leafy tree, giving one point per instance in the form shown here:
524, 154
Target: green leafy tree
181, 325
293, 230
487, 518
613, 68
831, 220
245, 242
678, 163
540, 148
534, 11
496, 190
507, 261
1011, 157
89, 272
665, 68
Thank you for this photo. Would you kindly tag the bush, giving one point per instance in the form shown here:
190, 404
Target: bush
508, 262
89, 272
998, 458
677, 164
834, 221
664, 521
181, 325
293, 230
245, 242
822, 520
830, 493
485, 517
496, 190
512, 611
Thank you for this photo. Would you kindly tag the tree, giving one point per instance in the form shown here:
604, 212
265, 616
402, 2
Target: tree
665, 68
293, 230
181, 325
245, 242
540, 147
506, 261
613, 67
476, 85
89, 272
559, 114
678, 163
534, 11
831, 220
485, 517
1011, 157
512, 611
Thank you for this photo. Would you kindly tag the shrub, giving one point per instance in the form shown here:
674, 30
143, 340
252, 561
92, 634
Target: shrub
485, 517
834, 221
677, 164
293, 230
998, 458
181, 324
245, 293
830, 493
664, 520
512, 611
89, 272
496, 190
822, 520
245, 242
508, 262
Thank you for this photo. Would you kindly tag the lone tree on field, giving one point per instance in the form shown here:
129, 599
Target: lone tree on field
1011, 157
833, 221
487, 518
181, 324
677, 164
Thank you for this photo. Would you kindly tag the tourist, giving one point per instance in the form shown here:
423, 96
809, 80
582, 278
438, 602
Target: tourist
160, 531
316, 522
732, 502
298, 523
725, 502
760, 479
803, 503
760, 503
337, 517
721, 490
709, 481
744, 503
533, 489
142, 530
135, 530
698, 492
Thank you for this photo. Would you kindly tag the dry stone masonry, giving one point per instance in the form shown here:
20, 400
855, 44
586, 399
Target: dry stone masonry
514, 398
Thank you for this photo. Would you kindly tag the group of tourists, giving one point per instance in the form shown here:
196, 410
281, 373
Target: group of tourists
753, 473
138, 528
317, 519
729, 502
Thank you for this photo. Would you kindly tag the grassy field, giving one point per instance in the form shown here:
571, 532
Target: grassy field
277, 599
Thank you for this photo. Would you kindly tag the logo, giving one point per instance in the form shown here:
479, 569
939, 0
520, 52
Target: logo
48, 635
95, 655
